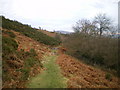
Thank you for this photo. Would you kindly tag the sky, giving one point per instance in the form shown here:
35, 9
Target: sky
57, 14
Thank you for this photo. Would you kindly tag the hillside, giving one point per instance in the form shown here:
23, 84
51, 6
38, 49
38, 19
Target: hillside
27, 30
81, 75
21, 58
51, 34
34, 59
57, 35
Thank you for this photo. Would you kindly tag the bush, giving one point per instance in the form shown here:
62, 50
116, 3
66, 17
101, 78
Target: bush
9, 45
58, 37
25, 73
108, 76
98, 59
11, 34
32, 52
30, 62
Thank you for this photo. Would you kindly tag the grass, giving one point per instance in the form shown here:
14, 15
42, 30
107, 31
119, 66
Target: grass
50, 78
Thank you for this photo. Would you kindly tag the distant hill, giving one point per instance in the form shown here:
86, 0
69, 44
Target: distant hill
63, 32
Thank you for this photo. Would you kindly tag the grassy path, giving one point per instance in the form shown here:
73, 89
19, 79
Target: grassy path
51, 77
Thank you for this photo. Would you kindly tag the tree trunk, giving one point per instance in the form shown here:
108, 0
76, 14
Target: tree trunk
100, 31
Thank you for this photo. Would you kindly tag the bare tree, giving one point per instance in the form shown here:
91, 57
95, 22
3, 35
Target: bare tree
85, 26
103, 23
81, 26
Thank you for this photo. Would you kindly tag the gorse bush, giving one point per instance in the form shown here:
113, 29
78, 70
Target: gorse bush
27, 30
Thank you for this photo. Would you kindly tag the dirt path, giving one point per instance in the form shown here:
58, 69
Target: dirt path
51, 77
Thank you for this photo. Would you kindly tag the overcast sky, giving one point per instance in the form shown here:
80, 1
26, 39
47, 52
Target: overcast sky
56, 14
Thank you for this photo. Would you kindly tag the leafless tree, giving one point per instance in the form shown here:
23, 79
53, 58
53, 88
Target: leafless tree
103, 23
85, 26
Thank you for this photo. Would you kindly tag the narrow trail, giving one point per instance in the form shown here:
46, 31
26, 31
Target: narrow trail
56, 67
50, 77
64, 71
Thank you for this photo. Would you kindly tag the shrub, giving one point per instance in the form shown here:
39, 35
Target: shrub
25, 73
58, 37
102, 51
9, 45
32, 52
98, 59
11, 34
30, 62
108, 76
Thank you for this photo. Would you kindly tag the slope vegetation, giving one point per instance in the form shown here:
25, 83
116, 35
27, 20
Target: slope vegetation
80, 75
27, 59
21, 58
51, 34
28, 31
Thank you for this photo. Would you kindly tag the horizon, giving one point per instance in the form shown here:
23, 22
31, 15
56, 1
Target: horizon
56, 15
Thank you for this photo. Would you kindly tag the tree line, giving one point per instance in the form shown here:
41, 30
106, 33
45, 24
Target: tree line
100, 25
